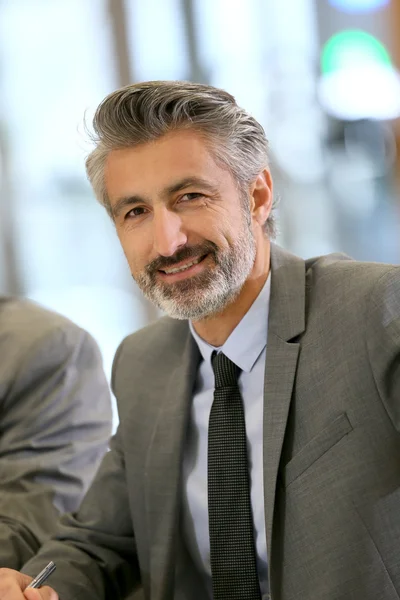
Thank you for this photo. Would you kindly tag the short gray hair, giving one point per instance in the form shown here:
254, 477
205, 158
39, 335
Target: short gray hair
144, 112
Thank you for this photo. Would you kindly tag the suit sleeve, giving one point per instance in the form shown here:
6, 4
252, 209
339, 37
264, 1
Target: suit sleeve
383, 341
55, 424
94, 550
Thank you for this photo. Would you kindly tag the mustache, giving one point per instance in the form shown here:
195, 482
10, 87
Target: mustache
185, 253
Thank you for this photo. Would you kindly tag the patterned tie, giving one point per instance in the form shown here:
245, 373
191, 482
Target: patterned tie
232, 550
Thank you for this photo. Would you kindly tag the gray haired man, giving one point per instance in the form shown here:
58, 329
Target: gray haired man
258, 449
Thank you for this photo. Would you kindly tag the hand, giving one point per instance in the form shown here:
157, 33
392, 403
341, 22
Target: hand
13, 586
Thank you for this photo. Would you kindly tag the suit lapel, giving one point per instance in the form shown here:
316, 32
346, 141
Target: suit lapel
286, 322
164, 460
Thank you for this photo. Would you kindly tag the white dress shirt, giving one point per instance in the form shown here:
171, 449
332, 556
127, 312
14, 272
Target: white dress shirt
246, 347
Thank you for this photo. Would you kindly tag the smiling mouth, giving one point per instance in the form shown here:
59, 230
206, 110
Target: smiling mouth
185, 267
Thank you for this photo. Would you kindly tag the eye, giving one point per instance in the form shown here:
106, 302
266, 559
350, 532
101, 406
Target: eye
138, 211
191, 196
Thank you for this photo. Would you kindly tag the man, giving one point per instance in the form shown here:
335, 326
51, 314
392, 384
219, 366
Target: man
258, 449
55, 422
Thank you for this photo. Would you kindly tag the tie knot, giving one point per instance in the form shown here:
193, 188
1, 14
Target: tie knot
226, 373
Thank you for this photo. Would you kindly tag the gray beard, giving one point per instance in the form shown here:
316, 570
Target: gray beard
207, 294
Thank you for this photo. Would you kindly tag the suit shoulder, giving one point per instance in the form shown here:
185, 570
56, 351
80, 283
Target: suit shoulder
161, 343
340, 271
155, 338
341, 288
25, 323
34, 339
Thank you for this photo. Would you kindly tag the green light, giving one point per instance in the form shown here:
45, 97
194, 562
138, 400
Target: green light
352, 48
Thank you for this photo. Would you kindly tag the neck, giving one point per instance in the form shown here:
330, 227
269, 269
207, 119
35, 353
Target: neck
215, 330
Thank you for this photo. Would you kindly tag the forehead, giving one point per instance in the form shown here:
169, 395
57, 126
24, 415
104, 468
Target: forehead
150, 167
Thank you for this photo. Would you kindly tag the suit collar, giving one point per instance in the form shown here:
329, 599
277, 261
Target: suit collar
287, 304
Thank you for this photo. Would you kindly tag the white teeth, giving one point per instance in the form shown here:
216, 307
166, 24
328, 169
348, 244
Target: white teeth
187, 266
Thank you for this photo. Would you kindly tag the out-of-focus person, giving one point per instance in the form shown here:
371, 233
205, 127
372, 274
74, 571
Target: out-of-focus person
55, 423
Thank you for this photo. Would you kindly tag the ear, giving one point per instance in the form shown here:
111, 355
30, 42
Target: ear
261, 196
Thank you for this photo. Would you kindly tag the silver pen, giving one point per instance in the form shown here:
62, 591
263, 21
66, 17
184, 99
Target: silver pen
43, 575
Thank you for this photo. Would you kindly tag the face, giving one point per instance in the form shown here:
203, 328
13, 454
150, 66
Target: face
182, 223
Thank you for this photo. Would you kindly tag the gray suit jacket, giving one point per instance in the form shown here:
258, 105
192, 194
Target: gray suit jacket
55, 423
331, 447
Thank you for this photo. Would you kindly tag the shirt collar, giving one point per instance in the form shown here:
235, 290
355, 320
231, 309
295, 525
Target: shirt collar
248, 339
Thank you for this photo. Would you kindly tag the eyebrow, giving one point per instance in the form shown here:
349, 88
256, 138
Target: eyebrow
126, 201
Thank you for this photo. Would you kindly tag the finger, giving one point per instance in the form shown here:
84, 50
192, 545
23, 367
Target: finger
12, 583
42, 593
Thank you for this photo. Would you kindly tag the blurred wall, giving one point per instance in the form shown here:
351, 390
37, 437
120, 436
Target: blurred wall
333, 162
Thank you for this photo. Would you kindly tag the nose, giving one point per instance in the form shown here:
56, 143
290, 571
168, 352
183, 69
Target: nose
168, 235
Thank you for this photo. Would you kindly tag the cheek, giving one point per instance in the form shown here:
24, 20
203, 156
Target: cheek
136, 251
225, 233
211, 227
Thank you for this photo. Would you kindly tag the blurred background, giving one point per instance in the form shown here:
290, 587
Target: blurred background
322, 76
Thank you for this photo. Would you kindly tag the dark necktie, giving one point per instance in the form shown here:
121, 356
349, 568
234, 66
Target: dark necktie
232, 550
